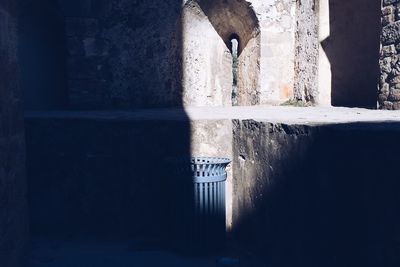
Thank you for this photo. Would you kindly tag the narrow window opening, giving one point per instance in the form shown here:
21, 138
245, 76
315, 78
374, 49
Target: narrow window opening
235, 64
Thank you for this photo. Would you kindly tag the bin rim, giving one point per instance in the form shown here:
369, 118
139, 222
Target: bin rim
201, 160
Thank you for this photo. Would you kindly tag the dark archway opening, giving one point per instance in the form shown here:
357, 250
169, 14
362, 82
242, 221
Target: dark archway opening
234, 48
353, 51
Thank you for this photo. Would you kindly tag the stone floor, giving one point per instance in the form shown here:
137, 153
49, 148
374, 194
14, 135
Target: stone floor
89, 253
274, 114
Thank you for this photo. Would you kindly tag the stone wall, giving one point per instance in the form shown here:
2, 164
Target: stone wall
207, 61
209, 27
277, 31
389, 85
306, 53
13, 206
317, 195
131, 54
123, 54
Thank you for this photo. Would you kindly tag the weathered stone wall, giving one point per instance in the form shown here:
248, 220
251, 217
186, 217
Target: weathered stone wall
248, 81
123, 54
277, 31
126, 54
129, 54
306, 53
266, 47
207, 61
317, 195
13, 208
389, 84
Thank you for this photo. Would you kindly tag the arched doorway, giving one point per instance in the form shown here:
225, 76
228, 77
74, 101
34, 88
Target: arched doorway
209, 26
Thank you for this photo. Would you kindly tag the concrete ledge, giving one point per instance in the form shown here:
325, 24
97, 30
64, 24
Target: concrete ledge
274, 114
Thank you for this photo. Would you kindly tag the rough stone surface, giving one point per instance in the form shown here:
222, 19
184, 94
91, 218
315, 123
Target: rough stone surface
317, 195
248, 87
307, 52
123, 54
102, 49
207, 61
13, 208
277, 30
389, 85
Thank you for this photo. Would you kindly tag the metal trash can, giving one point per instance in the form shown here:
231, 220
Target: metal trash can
209, 176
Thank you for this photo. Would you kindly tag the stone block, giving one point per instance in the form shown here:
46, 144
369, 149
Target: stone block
385, 65
389, 2
387, 19
391, 33
382, 98
395, 80
387, 105
396, 105
387, 10
385, 89
394, 95
397, 12
388, 51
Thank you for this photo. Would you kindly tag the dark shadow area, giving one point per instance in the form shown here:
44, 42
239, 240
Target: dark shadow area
106, 175
108, 178
353, 51
325, 196
42, 55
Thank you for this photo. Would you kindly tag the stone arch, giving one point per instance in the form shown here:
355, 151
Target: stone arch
221, 19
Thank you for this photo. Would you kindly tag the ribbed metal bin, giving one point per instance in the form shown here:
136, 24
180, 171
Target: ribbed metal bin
209, 176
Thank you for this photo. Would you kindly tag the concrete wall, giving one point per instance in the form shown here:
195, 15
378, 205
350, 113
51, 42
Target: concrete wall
389, 84
317, 195
13, 206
